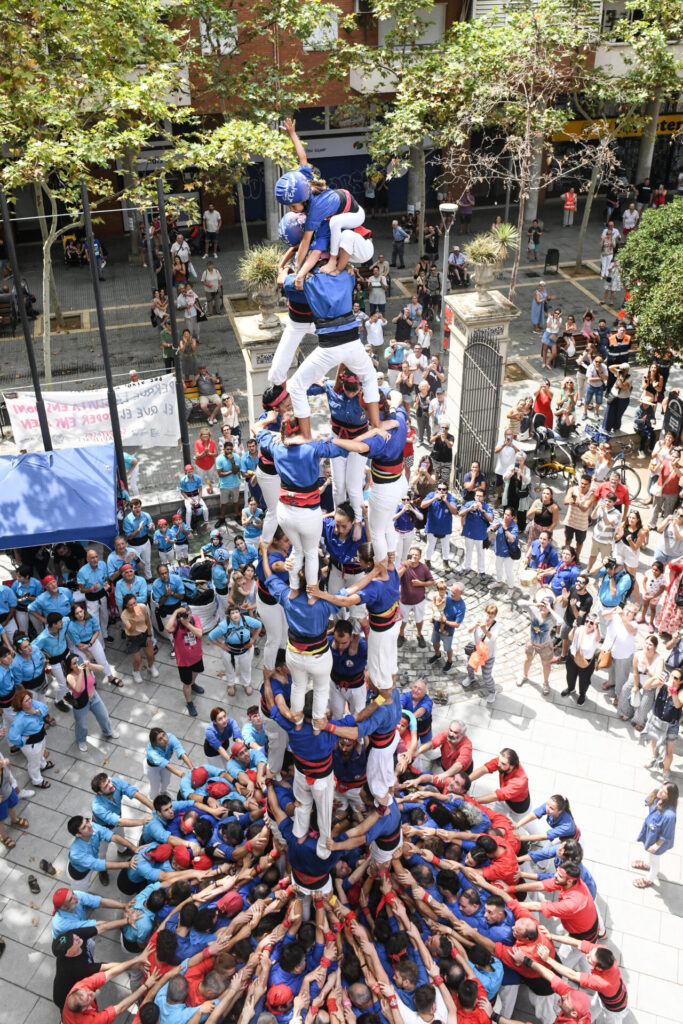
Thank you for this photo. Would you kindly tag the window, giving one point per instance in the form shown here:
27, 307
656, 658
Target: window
323, 33
218, 37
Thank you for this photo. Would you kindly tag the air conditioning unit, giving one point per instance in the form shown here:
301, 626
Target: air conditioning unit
362, 7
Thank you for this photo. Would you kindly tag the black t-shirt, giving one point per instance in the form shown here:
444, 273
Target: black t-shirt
441, 452
584, 602
644, 193
402, 329
71, 969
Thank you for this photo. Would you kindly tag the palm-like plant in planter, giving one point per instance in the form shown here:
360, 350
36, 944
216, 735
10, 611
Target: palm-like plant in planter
487, 253
258, 269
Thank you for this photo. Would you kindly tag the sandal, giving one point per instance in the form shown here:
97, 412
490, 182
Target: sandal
48, 765
33, 884
9, 843
231, 691
47, 867
42, 785
20, 823
115, 681
642, 883
50, 720
640, 865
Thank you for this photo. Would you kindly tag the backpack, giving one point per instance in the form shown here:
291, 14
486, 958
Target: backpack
624, 600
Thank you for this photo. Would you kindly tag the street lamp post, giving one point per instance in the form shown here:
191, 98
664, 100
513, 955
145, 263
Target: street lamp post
448, 212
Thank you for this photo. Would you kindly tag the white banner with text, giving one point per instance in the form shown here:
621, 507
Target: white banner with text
148, 415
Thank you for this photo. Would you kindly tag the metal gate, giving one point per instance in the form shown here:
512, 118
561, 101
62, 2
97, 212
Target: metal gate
479, 403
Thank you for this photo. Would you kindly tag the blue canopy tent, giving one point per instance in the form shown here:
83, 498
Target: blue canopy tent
47, 497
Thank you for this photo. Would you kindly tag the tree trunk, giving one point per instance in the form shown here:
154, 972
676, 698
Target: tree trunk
422, 196
47, 257
587, 213
243, 216
518, 250
648, 139
47, 282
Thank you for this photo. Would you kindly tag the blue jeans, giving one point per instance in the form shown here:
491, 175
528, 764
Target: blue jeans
99, 710
377, 307
594, 395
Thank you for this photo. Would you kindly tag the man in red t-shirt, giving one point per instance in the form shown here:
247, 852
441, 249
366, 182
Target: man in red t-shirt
513, 784
604, 976
81, 1003
574, 906
575, 1005
613, 483
455, 747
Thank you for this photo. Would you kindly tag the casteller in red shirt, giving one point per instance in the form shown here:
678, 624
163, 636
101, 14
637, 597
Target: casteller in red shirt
574, 905
451, 752
606, 981
91, 1015
513, 784
575, 1006
527, 946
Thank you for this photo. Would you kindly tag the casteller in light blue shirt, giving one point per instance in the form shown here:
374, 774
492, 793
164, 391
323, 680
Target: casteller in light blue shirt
84, 853
71, 920
106, 809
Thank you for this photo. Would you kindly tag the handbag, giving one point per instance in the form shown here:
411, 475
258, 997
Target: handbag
470, 649
201, 313
580, 660
479, 656
635, 697
605, 659
610, 396
513, 551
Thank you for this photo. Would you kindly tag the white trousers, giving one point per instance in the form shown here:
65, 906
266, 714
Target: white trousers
60, 680
242, 667
348, 477
21, 622
158, 779
382, 656
303, 526
477, 546
381, 510
339, 698
445, 543
270, 489
189, 506
100, 608
336, 582
314, 668
346, 222
292, 337
8, 716
273, 618
352, 354
35, 760
277, 745
381, 768
404, 542
506, 999
351, 798
96, 654
320, 793
166, 557
505, 570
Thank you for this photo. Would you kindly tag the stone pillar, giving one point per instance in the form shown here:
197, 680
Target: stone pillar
258, 348
270, 176
478, 348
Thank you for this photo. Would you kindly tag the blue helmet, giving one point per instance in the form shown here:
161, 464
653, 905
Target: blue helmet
291, 229
292, 187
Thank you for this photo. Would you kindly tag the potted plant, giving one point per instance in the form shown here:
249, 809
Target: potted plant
487, 253
258, 269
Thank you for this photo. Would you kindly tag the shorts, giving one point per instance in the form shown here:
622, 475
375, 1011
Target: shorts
571, 533
228, 495
6, 805
204, 400
408, 461
137, 643
599, 547
185, 671
418, 611
565, 630
544, 651
445, 639
672, 731
210, 236
499, 480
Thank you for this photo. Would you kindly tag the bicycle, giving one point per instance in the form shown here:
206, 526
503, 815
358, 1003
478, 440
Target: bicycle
627, 475
557, 462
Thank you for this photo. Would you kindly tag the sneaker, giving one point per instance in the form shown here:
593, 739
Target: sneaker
104, 877
565, 693
490, 699
114, 735
665, 776
651, 763
191, 709
446, 564
109, 639
137, 678
434, 659
421, 642
581, 700
205, 256
154, 672
447, 666
197, 689
400, 642
521, 682
62, 705
83, 747
26, 794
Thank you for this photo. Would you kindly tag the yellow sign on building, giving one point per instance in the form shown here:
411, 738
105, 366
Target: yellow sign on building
667, 124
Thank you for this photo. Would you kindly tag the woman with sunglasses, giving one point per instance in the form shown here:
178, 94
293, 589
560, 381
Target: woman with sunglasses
664, 721
580, 665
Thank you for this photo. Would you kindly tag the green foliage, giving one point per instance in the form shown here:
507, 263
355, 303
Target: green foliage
258, 267
492, 247
651, 263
